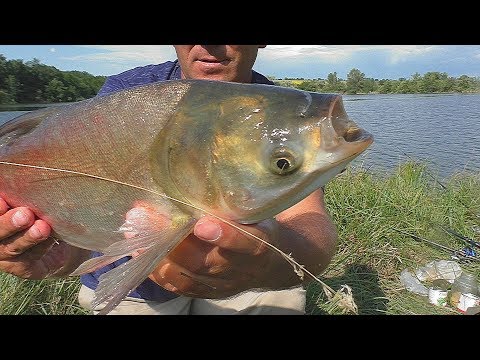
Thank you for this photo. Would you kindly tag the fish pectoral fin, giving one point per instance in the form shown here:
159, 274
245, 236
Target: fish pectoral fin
117, 283
94, 264
127, 246
122, 248
118, 250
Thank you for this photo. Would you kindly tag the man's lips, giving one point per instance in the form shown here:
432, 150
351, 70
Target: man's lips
213, 61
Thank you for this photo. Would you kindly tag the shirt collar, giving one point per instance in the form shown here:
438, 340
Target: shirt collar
176, 72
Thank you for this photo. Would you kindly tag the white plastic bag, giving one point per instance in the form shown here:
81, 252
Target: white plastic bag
441, 269
412, 283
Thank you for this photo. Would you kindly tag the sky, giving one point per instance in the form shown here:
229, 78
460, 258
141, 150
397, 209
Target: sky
279, 61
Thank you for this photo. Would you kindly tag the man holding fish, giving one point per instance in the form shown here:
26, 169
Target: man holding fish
215, 270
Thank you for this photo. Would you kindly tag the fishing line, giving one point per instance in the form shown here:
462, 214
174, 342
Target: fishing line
298, 268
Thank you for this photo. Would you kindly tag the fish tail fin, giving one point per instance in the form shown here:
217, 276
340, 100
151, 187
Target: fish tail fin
117, 283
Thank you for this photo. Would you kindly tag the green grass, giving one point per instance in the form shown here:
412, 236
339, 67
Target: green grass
370, 255
39, 297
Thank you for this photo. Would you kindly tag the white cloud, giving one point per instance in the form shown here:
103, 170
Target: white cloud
52, 50
335, 53
327, 53
119, 54
405, 52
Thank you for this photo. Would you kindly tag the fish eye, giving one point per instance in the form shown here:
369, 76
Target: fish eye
283, 164
283, 161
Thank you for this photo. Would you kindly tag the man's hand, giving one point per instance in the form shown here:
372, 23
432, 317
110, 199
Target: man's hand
26, 248
215, 261
218, 261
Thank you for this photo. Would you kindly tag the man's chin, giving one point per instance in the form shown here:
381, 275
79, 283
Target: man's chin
214, 76
214, 71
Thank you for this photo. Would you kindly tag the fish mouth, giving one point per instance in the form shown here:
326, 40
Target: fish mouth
356, 135
337, 152
340, 133
352, 142
351, 134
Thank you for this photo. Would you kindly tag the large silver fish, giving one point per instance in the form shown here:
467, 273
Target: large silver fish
243, 152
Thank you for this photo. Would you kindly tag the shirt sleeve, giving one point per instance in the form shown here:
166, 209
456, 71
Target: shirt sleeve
111, 85
140, 75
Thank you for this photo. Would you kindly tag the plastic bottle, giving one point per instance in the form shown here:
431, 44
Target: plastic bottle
464, 284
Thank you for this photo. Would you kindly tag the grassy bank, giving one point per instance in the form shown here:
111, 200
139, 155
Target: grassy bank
370, 257
45, 297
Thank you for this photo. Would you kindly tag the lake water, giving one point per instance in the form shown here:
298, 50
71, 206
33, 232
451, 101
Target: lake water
440, 129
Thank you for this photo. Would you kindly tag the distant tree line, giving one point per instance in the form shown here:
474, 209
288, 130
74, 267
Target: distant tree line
33, 82
357, 83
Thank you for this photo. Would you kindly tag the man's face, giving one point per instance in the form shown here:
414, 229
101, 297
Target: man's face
217, 62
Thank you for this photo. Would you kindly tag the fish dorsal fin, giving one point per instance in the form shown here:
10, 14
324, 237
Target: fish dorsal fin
24, 124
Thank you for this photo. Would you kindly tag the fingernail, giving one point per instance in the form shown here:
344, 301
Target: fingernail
20, 219
35, 232
208, 231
